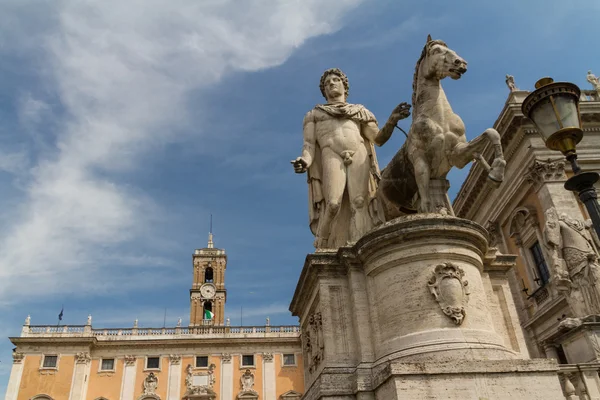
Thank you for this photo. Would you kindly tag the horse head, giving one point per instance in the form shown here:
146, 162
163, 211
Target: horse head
438, 61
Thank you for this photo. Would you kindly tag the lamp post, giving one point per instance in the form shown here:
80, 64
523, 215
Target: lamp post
554, 109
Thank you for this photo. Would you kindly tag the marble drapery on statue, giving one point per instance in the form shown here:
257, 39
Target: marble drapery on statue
316, 201
574, 262
339, 155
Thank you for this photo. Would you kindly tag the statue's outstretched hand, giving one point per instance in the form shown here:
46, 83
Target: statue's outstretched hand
401, 111
300, 165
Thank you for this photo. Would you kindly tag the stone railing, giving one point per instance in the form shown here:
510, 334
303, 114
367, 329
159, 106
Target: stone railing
589, 95
146, 333
580, 381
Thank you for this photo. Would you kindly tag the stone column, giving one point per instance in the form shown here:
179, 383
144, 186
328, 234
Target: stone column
129, 372
14, 382
269, 377
226, 377
80, 376
550, 351
174, 380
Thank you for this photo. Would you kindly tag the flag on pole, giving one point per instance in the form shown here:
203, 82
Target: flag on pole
61, 313
208, 314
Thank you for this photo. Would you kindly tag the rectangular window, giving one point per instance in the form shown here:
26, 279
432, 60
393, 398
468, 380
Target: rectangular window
108, 364
153, 363
248, 360
50, 361
541, 273
202, 362
289, 359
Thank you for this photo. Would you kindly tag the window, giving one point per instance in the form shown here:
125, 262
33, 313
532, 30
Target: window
248, 360
153, 363
108, 364
540, 273
289, 359
208, 275
50, 361
202, 362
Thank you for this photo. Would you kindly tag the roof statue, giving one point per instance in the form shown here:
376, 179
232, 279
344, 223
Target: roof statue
510, 82
593, 79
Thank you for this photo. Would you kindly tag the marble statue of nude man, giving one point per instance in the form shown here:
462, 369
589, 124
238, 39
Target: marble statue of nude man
339, 156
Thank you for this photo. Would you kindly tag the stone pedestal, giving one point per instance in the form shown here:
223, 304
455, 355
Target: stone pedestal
406, 313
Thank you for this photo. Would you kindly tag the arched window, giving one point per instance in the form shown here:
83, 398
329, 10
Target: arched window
208, 275
41, 397
207, 313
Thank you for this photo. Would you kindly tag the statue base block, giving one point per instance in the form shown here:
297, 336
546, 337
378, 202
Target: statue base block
416, 309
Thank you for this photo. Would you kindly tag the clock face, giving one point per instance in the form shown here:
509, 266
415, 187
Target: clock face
207, 291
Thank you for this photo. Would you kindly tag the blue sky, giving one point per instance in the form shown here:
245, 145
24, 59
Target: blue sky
125, 124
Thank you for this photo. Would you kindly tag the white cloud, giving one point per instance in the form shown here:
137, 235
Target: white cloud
122, 72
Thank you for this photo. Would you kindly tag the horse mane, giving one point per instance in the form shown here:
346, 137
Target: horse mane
423, 55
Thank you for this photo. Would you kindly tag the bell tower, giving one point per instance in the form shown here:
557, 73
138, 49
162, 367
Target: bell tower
208, 293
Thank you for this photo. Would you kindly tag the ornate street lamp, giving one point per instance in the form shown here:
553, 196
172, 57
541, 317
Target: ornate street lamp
554, 109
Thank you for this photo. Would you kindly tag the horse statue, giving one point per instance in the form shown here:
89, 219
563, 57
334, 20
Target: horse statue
435, 143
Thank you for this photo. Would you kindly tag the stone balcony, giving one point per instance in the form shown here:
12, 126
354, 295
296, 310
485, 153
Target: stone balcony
199, 332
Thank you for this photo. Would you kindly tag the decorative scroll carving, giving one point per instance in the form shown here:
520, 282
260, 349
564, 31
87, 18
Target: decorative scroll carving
247, 383
313, 341
226, 357
268, 357
545, 171
83, 357
574, 264
18, 357
150, 384
129, 360
174, 359
450, 290
200, 384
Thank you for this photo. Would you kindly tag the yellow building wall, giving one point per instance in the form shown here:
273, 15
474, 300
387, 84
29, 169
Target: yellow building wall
54, 383
289, 378
162, 375
105, 384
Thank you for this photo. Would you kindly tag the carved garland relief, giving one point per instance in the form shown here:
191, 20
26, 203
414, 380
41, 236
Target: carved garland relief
450, 290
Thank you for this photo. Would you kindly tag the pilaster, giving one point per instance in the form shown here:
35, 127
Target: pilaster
81, 374
128, 383
226, 377
14, 382
269, 377
174, 380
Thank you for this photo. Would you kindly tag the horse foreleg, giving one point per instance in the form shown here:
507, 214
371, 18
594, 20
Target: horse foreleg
463, 153
422, 174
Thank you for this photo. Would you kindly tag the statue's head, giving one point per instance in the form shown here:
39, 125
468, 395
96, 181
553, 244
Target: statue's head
333, 81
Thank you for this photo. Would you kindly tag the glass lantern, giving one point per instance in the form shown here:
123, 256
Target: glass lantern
554, 109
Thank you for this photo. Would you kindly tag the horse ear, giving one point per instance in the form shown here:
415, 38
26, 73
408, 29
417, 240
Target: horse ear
428, 38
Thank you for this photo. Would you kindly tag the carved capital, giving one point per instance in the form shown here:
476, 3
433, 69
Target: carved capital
545, 171
268, 357
174, 359
129, 359
450, 290
226, 357
494, 234
18, 357
83, 357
